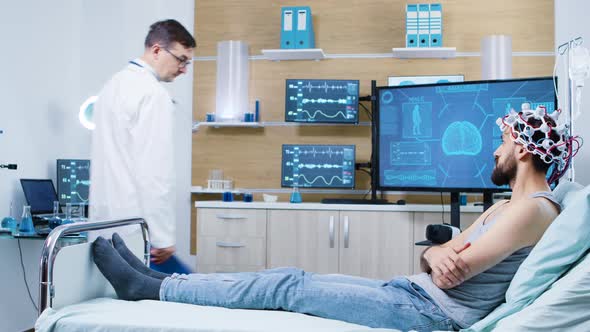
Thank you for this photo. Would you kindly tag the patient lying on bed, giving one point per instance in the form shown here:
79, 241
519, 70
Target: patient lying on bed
463, 280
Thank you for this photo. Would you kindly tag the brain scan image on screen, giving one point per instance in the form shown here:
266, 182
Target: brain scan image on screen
444, 136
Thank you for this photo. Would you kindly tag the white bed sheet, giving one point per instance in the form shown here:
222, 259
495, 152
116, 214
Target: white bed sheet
106, 314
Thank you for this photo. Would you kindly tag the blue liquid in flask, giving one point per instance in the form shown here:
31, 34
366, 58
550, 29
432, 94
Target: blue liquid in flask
26, 224
295, 196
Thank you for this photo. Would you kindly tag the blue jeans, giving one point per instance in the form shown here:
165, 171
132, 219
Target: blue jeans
398, 303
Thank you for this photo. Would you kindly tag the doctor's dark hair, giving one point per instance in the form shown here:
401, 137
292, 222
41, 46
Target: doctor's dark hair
167, 32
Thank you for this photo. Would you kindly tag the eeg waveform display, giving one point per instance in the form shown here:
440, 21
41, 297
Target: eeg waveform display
322, 101
318, 166
73, 180
443, 136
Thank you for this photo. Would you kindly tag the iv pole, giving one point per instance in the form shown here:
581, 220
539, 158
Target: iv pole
563, 49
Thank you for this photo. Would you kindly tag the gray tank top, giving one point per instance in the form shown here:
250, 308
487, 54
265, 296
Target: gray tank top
475, 298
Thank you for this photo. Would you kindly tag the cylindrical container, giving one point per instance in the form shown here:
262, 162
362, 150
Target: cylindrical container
247, 197
232, 81
496, 57
228, 196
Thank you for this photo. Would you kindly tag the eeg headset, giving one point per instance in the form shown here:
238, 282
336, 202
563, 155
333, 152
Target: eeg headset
545, 138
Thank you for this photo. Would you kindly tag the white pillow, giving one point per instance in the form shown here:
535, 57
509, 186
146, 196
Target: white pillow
563, 307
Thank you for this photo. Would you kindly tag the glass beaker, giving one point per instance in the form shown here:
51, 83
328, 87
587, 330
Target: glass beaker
55, 220
26, 223
9, 222
81, 215
295, 195
68, 217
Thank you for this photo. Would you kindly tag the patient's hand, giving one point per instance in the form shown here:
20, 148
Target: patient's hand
160, 255
448, 269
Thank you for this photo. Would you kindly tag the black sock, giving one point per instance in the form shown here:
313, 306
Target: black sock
135, 263
127, 282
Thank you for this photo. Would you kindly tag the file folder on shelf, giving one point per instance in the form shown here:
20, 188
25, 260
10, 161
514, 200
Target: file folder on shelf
423, 25
411, 25
304, 36
288, 22
435, 25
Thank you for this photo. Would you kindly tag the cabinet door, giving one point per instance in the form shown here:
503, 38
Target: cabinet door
423, 219
304, 239
376, 244
231, 240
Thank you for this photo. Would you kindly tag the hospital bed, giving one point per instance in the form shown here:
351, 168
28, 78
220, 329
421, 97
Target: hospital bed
74, 296
550, 291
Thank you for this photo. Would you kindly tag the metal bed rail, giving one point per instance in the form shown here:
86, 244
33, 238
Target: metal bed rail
46, 290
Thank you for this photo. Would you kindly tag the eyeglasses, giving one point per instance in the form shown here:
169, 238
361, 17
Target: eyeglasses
182, 62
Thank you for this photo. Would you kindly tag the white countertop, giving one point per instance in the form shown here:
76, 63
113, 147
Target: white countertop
341, 207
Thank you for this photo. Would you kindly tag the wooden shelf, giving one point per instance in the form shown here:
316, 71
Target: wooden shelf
294, 54
424, 52
196, 125
201, 190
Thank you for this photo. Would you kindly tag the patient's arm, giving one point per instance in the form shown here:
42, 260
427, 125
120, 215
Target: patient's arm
520, 225
449, 268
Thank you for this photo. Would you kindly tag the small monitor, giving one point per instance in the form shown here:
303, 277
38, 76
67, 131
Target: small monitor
73, 180
322, 101
40, 195
423, 79
318, 166
441, 137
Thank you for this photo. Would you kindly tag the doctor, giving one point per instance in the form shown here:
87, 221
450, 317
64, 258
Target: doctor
133, 169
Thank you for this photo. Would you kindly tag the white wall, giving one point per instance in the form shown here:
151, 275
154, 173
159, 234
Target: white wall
571, 21
54, 55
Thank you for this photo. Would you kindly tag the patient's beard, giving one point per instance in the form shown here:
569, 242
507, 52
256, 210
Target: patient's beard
504, 174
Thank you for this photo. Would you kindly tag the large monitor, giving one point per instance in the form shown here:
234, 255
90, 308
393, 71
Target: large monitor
318, 166
441, 137
423, 79
322, 101
73, 180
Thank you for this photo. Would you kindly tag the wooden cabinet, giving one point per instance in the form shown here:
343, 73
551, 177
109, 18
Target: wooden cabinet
307, 239
231, 240
369, 244
374, 244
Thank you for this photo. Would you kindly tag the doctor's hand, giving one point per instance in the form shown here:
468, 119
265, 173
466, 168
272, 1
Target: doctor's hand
448, 269
160, 255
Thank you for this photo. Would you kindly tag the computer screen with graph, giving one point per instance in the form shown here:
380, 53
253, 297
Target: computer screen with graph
318, 166
73, 180
442, 137
322, 101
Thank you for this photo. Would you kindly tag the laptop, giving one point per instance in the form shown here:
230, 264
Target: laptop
40, 195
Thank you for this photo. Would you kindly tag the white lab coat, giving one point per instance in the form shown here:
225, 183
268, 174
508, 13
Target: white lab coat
132, 168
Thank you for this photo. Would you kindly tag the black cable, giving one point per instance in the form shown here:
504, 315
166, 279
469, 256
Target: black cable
369, 115
443, 207
25, 275
370, 185
364, 170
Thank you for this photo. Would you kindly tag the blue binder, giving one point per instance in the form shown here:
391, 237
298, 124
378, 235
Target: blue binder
423, 25
304, 36
288, 22
435, 25
411, 25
